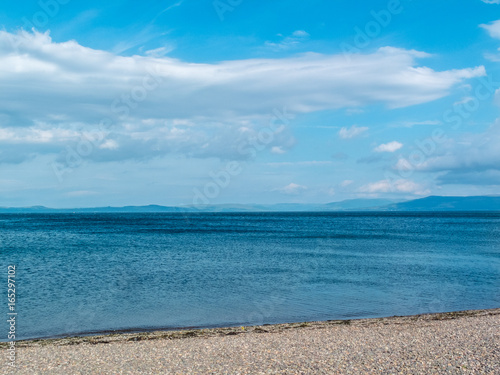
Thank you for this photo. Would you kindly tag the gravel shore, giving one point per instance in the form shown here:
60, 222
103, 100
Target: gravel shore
451, 343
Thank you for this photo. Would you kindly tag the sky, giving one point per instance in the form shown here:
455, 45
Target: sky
234, 101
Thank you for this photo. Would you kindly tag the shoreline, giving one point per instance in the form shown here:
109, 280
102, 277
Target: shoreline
108, 338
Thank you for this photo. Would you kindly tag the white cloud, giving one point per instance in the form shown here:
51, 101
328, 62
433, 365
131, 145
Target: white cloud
463, 101
346, 183
389, 147
491, 1
493, 28
142, 37
470, 159
330, 192
293, 189
411, 124
471, 152
397, 186
297, 37
160, 52
300, 33
109, 144
277, 150
352, 132
493, 57
177, 4
40, 134
48, 86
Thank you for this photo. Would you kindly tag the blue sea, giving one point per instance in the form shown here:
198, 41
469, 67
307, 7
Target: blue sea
87, 273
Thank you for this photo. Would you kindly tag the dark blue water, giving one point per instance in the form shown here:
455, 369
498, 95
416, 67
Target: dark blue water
84, 273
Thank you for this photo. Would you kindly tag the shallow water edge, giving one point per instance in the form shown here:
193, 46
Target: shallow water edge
229, 331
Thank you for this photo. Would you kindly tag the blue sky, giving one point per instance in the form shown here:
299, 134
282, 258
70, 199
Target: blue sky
205, 102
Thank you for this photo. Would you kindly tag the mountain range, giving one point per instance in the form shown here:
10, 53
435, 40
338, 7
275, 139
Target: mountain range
432, 203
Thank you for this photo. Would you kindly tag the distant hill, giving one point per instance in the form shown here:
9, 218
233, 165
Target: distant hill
346, 205
433, 203
130, 209
359, 204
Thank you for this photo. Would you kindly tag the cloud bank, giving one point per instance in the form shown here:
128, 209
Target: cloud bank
52, 93
471, 159
399, 186
493, 29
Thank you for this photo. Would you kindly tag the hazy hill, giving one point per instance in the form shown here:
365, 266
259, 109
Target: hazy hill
359, 204
433, 203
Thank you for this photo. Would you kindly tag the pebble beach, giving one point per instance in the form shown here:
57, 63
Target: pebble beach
450, 343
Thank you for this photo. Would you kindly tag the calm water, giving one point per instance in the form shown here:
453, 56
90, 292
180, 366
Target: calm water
83, 273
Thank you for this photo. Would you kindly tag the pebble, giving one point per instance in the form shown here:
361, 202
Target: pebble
462, 345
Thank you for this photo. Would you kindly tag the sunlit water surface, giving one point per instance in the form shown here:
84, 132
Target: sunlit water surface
85, 273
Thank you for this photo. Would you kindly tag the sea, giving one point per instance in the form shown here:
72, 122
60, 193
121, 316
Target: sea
82, 274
